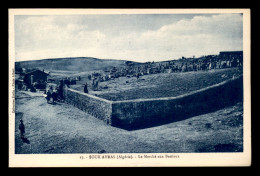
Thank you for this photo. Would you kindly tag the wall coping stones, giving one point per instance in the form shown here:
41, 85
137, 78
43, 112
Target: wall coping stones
130, 113
179, 96
89, 95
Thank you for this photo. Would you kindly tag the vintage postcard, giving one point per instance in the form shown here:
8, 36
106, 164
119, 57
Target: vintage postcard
129, 87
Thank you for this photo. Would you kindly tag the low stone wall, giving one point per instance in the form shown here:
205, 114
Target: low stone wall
98, 107
136, 114
143, 113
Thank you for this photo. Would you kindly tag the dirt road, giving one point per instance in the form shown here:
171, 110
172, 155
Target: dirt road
62, 128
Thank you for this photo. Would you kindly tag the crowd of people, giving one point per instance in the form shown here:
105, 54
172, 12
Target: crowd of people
132, 69
55, 93
204, 63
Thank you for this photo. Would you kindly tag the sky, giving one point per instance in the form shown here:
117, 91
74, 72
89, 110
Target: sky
135, 37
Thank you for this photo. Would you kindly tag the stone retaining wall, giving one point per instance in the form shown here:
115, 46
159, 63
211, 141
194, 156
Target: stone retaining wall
143, 113
135, 114
93, 105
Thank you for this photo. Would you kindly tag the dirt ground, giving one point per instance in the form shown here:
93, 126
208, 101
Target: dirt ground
158, 85
62, 128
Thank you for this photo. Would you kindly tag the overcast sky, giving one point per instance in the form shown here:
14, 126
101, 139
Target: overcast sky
130, 37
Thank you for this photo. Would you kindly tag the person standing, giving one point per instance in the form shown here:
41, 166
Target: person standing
60, 90
137, 76
49, 94
22, 129
86, 88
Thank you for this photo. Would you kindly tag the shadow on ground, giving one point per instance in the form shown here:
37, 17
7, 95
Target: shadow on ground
25, 140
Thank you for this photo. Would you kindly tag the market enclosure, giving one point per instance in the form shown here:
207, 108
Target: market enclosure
212, 122
203, 92
127, 82
158, 85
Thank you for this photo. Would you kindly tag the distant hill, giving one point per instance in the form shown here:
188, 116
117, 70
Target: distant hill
79, 64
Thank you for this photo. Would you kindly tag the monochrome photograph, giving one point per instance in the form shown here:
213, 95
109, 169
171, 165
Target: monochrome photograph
137, 87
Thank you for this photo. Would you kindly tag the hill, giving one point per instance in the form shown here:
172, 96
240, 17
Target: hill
79, 64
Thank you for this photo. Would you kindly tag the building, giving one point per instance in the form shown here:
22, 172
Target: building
35, 76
